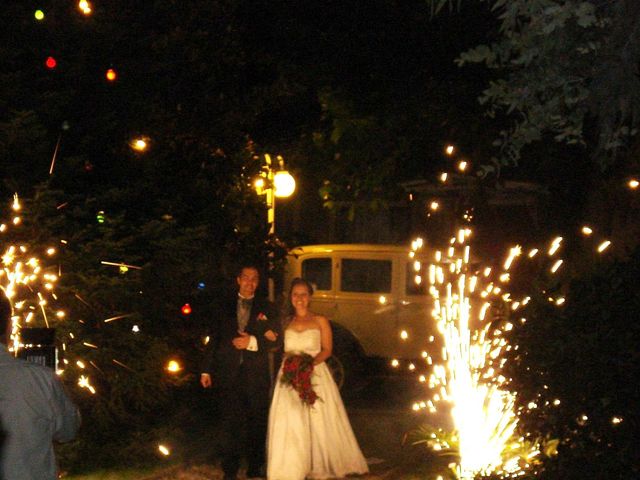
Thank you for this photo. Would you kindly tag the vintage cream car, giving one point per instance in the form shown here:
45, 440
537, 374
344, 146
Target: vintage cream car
370, 294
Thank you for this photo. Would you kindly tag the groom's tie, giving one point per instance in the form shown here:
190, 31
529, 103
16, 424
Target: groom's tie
244, 311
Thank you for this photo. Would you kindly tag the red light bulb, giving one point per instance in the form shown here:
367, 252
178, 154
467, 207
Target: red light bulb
186, 309
51, 63
111, 75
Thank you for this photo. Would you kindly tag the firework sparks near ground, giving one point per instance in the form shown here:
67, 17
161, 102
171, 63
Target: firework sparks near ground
471, 306
468, 379
26, 283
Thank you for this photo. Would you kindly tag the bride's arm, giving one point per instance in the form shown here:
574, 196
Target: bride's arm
326, 340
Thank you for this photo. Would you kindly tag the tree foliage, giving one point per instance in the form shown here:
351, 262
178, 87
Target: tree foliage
566, 69
575, 369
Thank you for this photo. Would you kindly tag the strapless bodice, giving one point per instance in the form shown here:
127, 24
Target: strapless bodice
306, 341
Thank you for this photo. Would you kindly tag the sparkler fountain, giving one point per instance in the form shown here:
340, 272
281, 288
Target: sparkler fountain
469, 377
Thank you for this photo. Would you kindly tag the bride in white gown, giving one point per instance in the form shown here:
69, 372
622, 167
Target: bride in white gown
303, 441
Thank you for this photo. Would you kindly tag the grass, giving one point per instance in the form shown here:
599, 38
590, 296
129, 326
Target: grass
116, 474
176, 472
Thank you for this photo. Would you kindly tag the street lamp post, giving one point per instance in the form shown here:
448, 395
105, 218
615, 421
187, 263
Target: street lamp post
274, 182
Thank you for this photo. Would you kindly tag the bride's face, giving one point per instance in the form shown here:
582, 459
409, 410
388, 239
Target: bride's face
300, 297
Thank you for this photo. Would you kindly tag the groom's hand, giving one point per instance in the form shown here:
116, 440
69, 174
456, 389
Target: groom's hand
242, 342
271, 335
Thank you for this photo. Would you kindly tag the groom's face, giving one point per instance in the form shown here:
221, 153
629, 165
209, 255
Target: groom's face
248, 282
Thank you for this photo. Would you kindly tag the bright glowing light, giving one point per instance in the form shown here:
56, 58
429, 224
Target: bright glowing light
85, 7
449, 149
633, 184
83, 382
259, 184
39, 14
482, 413
173, 366
139, 144
462, 166
284, 184
404, 335
443, 177
111, 75
51, 63
434, 206
513, 253
586, 230
555, 245
395, 363
382, 300
556, 266
164, 450
603, 246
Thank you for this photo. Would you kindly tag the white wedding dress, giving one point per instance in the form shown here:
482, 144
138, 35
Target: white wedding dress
310, 441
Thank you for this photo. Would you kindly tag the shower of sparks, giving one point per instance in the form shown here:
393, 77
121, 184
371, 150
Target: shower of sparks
468, 379
30, 284
26, 283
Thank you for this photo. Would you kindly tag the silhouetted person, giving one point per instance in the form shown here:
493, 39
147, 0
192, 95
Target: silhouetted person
34, 411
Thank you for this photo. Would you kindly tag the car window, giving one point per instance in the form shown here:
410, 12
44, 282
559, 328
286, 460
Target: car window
365, 276
318, 272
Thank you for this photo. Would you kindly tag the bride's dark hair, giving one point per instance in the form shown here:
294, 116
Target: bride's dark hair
289, 309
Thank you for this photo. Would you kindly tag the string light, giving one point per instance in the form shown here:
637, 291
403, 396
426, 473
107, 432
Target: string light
139, 144
85, 7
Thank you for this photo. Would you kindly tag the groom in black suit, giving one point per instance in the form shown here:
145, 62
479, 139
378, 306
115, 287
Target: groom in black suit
237, 363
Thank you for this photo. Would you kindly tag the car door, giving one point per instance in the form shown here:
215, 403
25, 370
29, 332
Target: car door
414, 312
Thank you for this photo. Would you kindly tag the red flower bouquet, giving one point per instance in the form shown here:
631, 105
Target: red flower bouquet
296, 372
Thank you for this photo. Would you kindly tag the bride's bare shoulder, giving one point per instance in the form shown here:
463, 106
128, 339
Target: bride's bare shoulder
320, 320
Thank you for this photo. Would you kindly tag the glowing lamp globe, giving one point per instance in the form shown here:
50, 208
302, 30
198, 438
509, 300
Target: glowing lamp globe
284, 184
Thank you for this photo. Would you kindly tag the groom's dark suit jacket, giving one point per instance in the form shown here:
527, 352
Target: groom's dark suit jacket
222, 360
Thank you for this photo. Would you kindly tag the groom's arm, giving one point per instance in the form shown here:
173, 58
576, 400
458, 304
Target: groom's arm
267, 322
